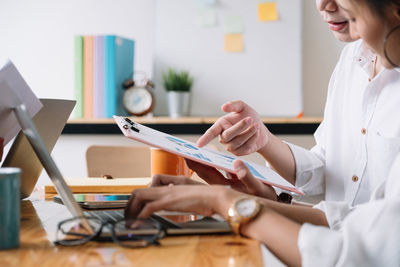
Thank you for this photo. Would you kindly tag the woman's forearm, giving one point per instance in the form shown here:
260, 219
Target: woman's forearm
278, 233
280, 157
297, 213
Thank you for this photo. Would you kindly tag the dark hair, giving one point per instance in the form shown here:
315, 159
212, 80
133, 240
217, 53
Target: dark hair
380, 5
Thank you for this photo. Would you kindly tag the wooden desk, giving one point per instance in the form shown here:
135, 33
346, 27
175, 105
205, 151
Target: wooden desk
38, 227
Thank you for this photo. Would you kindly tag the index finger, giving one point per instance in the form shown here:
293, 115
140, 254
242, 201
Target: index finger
216, 129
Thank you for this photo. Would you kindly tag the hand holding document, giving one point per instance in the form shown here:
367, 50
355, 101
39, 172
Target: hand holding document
14, 91
189, 150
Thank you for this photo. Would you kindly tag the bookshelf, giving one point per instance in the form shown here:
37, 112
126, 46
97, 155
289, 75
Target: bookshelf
189, 125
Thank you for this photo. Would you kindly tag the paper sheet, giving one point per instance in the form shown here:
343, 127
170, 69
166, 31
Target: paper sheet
214, 158
13, 92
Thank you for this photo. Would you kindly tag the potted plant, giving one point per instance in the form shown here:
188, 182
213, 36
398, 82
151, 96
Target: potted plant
178, 85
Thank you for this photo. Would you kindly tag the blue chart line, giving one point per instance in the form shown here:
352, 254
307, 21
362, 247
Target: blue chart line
226, 157
196, 155
181, 142
254, 171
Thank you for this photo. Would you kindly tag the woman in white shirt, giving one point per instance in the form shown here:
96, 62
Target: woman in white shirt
355, 144
369, 236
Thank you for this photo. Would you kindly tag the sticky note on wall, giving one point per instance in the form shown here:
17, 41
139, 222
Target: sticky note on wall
267, 11
207, 16
206, 2
234, 43
233, 24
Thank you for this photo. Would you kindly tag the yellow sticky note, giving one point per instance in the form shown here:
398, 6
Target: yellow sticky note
267, 11
234, 42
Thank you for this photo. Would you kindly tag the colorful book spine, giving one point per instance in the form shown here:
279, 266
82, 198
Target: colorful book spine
102, 65
118, 66
88, 42
124, 58
110, 93
98, 77
78, 70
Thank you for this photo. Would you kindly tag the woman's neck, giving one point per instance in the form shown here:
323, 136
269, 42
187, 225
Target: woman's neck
378, 67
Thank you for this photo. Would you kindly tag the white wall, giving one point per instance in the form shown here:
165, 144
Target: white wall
267, 74
38, 36
320, 53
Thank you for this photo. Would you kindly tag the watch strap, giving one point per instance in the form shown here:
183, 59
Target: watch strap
285, 198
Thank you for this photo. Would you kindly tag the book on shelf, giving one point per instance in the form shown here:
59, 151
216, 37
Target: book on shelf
88, 76
102, 64
78, 70
119, 57
98, 77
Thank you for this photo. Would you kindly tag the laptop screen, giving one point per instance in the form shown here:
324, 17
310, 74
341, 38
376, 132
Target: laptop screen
49, 122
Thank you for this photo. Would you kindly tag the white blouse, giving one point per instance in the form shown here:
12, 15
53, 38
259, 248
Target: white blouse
368, 236
359, 136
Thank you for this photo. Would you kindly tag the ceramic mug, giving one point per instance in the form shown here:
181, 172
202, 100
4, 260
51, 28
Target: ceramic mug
163, 162
9, 207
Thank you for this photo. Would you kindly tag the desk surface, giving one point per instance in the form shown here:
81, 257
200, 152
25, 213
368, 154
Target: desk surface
38, 226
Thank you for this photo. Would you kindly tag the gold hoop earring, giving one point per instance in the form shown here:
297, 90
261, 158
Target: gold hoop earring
385, 46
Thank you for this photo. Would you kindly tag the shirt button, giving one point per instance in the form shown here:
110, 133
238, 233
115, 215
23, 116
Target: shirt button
364, 131
369, 79
354, 178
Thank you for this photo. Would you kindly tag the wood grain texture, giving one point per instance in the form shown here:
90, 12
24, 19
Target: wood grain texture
38, 227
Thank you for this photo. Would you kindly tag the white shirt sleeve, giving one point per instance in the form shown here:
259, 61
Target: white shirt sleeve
369, 236
310, 169
335, 212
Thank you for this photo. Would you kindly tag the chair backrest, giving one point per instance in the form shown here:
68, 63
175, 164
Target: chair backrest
118, 161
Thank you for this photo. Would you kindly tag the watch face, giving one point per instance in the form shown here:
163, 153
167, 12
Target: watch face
246, 207
138, 100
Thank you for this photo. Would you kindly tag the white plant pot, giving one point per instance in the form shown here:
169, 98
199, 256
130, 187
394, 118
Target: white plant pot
178, 104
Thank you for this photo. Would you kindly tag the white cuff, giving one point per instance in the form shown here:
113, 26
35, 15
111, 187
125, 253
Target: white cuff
309, 170
319, 246
335, 212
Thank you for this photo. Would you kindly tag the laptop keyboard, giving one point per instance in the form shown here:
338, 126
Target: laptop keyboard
106, 215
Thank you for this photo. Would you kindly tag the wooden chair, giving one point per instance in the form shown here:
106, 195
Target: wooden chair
118, 161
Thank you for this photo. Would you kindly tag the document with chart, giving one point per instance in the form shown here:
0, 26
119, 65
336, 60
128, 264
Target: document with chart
220, 160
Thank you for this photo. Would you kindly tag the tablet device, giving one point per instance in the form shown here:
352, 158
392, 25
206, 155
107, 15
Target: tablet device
98, 201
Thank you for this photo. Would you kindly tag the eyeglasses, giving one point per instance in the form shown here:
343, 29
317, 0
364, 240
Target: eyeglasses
134, 233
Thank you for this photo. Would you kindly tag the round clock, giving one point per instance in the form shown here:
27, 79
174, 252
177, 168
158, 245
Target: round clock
138, 100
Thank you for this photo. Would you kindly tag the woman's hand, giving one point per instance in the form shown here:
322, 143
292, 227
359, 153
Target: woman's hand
243, 181
162, 179
241, 130
204, 200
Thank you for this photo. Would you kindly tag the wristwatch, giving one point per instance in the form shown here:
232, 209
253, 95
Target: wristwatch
242, 210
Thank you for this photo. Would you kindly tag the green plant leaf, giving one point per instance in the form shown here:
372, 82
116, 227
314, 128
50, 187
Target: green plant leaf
177, 81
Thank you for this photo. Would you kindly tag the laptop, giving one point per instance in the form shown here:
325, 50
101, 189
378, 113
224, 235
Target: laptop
49, 122
205, 225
